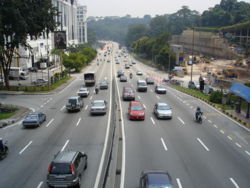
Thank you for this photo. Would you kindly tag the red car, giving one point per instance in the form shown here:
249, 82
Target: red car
136, 110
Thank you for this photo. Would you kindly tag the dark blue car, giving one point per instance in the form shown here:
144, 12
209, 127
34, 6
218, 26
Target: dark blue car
34, 119
155, 179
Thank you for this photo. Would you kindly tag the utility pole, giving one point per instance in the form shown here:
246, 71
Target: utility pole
168, 64
192, 57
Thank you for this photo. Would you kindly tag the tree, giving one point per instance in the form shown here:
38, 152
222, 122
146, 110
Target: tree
135, 32
74, 61
158, 25
20, 19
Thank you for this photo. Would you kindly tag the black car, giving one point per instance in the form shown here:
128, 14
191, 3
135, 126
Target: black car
33, 69
149, 81
103, 85
119, 73
155, 179
123, 78
66, 169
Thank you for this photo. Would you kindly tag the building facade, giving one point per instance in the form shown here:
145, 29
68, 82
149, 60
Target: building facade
41, 47
82, 24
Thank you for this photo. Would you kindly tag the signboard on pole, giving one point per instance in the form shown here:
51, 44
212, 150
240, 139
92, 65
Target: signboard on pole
60, 39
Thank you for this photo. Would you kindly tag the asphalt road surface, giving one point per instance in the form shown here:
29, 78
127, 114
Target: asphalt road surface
214, 154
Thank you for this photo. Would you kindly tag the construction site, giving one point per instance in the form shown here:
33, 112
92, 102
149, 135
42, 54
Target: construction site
222, 55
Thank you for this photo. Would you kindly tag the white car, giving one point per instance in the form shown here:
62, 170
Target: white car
160, 89
83, 92
98, 107
139, 73
162, 111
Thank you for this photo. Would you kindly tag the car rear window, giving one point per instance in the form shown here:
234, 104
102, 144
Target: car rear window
128, 90
136, 107
60, 168
72, 101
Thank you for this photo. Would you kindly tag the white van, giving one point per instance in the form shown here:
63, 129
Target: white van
18, 73
142, 85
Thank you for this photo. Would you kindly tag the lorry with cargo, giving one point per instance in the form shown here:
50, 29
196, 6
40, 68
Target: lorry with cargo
89, 78
18, 73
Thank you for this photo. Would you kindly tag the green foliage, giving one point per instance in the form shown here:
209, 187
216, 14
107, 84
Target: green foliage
135, 32
247, 84
74, 61
216, 97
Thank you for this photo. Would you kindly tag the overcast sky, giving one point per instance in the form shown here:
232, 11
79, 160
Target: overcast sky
141, 7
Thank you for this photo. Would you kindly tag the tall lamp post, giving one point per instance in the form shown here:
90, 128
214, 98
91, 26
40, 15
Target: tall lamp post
192, 56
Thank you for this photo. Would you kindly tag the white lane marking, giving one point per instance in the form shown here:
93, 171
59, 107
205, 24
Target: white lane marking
32, 109
144, 106
204, 117
66, 143
222, 132
86, 107
50, 122
164, 145
139, 97
209, 121
229, 137
199, 140
41, 106
157, 97
215, 126
152, 120
151, 90
234, 182
191, 107
98, 176
179, 182
62, 108
247, 152
181, 120
40, 184
67, 86
91, 98
25, 147
78, 121
237, 144
184, 102
187, 104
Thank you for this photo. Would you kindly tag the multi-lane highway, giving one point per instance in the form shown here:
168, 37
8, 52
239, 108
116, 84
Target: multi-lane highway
213, 154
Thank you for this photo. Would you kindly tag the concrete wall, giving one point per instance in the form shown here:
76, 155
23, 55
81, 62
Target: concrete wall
206, 43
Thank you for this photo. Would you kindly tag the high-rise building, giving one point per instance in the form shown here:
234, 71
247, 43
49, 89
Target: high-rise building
41, 47
82, 24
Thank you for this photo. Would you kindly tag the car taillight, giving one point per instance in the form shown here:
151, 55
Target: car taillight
50, 168
72, 169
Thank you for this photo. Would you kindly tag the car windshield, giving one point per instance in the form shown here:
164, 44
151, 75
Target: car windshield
83, 90
60, 168
72, 101
128, 91
163, 107
103, 83
136, 107
98, 104
142, 84
161, 87
32, 116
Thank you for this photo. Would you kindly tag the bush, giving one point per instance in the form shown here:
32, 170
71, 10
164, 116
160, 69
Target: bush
216, 97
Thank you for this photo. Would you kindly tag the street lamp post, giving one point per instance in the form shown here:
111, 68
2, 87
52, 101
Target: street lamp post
192, 57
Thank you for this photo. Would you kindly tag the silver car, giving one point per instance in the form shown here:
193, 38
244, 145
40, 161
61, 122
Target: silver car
160, 89
162, 111
34, 119
83, 92
98, 107
74, 103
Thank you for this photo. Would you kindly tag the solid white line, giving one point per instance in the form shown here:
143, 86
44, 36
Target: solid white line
144, 106
179, 182
203, 144
181, 120
215, 126
50, 122
209, 121
78, 121
66, 143
247, 152
229, 138
157, 97
222, 132
152, 120
91, 97
139, 97
25, 147
98, 176
86, 107
234, 182
62, 108
164, 145
40, 184
237, 144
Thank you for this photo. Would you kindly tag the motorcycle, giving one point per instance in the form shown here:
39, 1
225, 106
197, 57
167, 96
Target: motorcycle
96, 90
5, 151
198, 118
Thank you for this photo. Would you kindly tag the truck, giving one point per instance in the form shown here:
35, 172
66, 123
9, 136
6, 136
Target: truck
18, 73
89, 78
